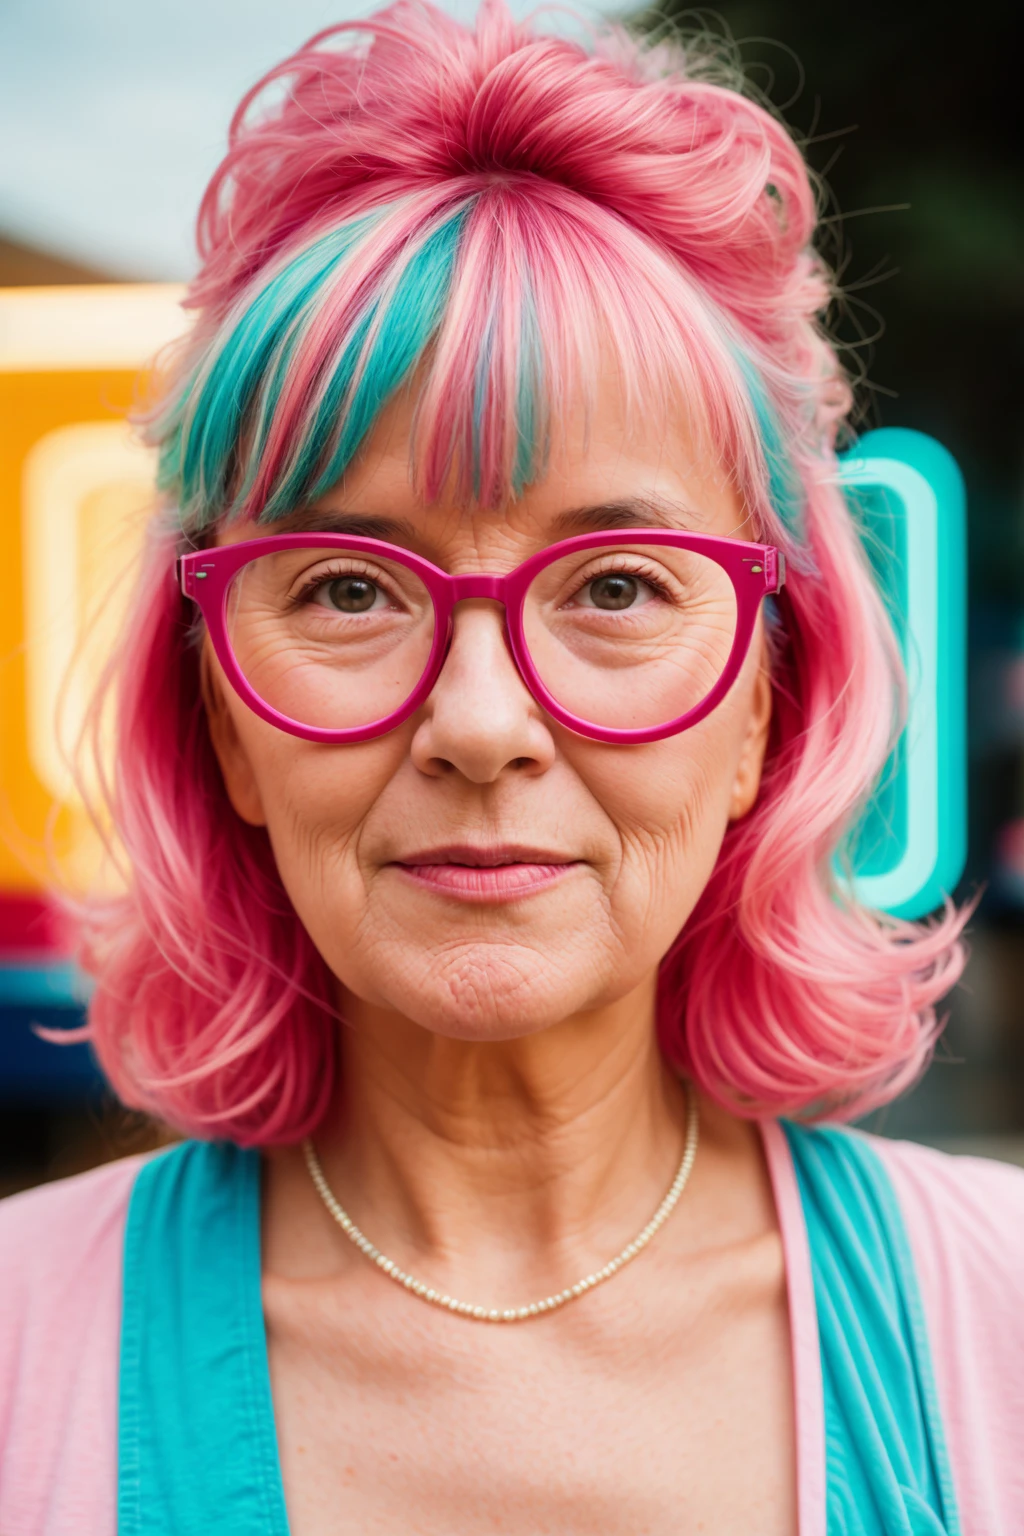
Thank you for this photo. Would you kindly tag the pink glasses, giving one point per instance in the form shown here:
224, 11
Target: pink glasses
621, 637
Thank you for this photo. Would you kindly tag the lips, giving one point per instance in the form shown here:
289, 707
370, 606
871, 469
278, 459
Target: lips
485, 858
497, 873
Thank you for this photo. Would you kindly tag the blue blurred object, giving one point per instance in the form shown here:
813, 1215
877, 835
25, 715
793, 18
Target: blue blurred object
35, 1069
907, 852
42, 983
50, 994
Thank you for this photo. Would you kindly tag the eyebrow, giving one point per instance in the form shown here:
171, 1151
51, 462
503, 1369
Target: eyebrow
363, 525
628, 512
624, 512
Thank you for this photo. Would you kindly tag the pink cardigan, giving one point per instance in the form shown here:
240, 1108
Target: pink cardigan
60, 1309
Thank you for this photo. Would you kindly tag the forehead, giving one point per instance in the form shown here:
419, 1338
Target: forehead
609, 466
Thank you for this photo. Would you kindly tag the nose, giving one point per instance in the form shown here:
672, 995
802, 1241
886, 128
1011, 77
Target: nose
480, 719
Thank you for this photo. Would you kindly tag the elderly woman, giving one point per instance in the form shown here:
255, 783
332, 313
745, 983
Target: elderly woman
502, 677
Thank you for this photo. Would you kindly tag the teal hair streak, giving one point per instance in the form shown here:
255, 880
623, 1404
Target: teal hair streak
481, 374
530, 380
784, 488
237, 398
409, 320
530, 455
199, 455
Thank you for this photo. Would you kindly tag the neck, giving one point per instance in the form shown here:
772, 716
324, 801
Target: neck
499, 1169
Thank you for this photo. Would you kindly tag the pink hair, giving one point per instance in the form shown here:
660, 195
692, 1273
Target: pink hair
624, 194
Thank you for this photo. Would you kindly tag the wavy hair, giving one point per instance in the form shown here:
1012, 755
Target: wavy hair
485, 207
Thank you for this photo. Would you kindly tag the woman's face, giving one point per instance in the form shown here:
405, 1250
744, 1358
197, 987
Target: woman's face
597, 853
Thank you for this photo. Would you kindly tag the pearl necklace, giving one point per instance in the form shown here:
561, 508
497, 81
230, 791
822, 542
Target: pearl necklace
536, 1308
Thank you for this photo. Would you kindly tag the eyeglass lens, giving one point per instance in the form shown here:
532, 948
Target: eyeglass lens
624, 637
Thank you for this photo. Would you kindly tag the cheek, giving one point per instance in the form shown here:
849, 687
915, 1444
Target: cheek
669, 802
316, 800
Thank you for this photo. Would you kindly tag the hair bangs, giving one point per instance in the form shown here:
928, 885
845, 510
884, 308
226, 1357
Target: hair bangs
509, 298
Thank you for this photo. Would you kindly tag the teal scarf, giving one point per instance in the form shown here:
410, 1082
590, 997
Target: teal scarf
198, 1447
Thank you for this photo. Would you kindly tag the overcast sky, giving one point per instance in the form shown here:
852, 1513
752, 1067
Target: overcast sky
113, 113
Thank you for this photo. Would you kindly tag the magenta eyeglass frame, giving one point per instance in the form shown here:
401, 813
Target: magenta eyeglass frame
756, 571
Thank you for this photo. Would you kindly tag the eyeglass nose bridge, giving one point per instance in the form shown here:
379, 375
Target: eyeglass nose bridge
476, 584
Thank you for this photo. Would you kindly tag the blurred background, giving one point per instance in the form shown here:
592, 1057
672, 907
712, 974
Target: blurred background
114, 116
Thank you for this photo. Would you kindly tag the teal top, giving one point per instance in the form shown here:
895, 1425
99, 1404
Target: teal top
197, 1441
887, 1468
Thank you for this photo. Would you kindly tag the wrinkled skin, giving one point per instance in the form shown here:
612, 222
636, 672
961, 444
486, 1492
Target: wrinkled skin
482, 764
506, 1124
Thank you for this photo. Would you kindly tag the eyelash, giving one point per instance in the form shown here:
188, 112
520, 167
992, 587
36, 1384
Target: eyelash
626, 564
314, 582
620, 565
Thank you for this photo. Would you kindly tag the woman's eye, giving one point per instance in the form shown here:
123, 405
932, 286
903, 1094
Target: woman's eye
349, 594
614, 590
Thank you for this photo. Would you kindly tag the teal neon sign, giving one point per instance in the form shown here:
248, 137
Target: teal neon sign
908, 850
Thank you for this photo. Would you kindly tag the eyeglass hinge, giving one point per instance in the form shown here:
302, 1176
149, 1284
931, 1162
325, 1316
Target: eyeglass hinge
187, 576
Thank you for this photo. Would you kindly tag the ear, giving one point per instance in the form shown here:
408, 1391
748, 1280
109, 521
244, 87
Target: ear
235, 764
755, 743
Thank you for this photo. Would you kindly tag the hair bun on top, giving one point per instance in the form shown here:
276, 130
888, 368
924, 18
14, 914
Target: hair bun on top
416, 98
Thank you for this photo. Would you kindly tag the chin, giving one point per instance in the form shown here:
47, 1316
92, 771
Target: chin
481, 991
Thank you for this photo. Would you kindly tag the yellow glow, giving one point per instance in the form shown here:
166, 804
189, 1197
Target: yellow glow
75, 491
87, 490
111, 325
